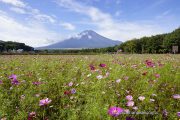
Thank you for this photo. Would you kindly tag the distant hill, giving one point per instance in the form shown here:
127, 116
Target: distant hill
86, 39
9, 45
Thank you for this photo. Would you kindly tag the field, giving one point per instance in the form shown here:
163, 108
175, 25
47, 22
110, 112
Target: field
92, 87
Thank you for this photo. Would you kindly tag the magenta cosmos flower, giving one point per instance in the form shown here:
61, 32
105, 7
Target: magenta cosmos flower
92, 67
15, 82
102, 65
178, 114
115, 111
44, 102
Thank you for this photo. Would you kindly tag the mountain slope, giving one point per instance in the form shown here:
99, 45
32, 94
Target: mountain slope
86, 39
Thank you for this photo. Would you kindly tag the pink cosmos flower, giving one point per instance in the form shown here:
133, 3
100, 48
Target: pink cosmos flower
126, 78
13, 76
115, 111
176, 96
1, 82
160, 64
44, 102
129, 97
37, 83
157, 75
31, 115
130, 103
141, 98
149, 63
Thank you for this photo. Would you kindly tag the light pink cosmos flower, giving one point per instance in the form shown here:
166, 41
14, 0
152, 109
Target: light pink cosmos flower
129, 97
141, 98
127, 111
118, 80
135, 108
44, 102
152, 100
176, 96
99, 77
130, 103
70, 84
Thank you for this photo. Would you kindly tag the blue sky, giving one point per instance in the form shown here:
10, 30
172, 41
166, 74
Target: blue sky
42, 22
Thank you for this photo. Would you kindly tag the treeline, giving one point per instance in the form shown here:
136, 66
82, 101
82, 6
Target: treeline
9, 46
78, 51
155, 44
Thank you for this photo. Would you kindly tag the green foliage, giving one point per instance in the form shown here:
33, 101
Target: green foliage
6, 46
154, 44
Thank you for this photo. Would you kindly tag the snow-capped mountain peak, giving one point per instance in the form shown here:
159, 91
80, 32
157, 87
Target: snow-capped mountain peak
85, 39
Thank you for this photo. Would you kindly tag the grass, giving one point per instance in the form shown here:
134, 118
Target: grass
93, 96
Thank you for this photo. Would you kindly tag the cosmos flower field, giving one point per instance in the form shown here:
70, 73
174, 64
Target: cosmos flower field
90, 87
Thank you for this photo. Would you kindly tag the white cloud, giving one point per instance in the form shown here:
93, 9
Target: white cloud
33, 33
44, 18
67, 26
17, 3
108, 26
23, 8
18, 10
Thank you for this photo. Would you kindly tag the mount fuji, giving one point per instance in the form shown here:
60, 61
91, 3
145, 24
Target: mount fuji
85, 39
